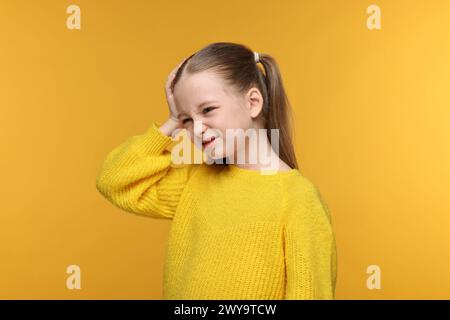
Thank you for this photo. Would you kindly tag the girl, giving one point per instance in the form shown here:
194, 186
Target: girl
236, 233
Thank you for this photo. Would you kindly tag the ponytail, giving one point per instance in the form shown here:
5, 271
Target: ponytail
279, 113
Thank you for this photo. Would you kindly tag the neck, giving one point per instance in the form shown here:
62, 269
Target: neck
264, 156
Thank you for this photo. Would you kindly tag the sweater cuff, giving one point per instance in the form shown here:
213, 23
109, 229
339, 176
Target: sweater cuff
154, 141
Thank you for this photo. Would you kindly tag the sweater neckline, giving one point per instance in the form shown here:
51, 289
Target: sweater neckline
238, 171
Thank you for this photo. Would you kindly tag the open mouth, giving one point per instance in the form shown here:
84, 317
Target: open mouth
209, 142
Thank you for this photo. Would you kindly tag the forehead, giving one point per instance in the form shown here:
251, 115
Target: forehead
193, 89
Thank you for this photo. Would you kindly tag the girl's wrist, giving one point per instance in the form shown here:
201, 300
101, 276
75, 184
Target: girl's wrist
169, 126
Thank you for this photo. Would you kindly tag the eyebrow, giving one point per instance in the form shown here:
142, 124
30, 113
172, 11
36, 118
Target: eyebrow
198, 107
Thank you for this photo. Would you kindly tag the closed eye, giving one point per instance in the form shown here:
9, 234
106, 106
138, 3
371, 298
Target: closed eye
205, 110
209, 109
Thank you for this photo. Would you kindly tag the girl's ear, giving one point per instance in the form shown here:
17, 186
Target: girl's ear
254, 102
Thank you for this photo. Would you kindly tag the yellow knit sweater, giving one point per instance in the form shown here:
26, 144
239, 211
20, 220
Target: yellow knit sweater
235, 233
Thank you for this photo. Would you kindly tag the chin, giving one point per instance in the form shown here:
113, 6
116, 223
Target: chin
218, 158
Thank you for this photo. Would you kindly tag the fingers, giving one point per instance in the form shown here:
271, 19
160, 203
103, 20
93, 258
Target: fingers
174, 71
172, 75
169, 92
174, 118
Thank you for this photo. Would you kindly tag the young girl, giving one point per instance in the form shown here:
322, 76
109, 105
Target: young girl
236, 232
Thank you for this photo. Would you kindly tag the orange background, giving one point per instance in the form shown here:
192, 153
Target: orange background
372, 131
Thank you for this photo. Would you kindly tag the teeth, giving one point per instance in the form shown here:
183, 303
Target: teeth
204, 142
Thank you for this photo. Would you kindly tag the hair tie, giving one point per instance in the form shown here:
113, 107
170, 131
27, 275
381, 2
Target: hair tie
256, 57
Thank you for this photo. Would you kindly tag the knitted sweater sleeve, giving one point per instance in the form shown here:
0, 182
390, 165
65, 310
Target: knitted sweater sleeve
310, 250
138, 175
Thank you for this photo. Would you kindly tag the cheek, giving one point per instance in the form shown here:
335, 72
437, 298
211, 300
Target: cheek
223, 123
190, 133
238, 119
229, 145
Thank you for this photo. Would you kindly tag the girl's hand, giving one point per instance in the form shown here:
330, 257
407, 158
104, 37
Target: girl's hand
169, 94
